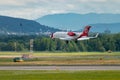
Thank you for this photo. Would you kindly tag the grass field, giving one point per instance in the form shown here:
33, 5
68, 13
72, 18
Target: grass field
60, 58
59, 75
10, 52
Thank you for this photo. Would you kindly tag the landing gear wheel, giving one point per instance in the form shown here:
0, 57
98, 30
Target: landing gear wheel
67, 42
76, 41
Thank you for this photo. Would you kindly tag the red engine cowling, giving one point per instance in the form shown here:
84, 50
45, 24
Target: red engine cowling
71, 34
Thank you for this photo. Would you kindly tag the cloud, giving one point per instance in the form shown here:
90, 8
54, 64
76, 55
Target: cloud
32, 9
11, 3
92, 0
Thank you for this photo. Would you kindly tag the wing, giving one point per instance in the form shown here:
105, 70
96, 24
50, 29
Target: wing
86, 38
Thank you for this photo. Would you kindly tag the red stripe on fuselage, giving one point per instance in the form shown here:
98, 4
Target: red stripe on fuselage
71, 34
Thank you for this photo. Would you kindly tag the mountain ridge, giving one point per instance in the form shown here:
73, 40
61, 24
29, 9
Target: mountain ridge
75, 21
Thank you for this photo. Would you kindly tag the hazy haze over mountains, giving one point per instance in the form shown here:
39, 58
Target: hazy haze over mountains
72, 21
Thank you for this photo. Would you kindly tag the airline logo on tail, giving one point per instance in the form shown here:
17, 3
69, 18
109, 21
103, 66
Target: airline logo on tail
85, 32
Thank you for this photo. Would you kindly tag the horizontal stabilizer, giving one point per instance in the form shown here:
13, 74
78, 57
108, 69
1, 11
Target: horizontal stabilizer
95, 36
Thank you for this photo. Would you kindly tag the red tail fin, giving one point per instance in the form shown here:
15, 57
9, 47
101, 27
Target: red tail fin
85, 32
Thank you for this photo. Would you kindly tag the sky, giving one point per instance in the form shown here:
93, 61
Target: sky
33, 9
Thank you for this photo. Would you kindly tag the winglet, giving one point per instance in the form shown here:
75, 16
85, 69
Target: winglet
96, 35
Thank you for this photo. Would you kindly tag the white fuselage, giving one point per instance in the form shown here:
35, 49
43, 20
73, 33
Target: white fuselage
65, 36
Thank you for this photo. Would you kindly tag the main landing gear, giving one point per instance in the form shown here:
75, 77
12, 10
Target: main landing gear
68, 41
76, 41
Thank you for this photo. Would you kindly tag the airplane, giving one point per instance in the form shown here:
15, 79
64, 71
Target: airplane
76, 36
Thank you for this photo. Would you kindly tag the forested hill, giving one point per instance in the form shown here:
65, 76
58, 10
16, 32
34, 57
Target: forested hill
9, 25
103, 43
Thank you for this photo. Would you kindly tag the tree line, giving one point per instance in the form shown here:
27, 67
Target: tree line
103, 43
